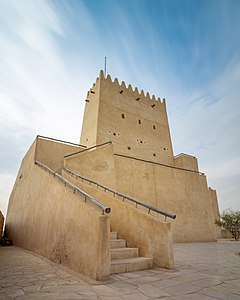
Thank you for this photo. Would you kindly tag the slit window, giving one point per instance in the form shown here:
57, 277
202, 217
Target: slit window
139, 122
123, 116
154, 127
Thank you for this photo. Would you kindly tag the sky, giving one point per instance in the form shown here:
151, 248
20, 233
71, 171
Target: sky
187, 51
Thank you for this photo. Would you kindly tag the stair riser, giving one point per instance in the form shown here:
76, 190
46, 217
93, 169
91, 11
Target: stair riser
117, 244
124, 253
113, 235
122, 268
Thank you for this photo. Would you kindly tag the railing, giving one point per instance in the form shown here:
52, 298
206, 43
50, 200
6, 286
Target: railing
90, 148
105, 209
60, 141
137, 202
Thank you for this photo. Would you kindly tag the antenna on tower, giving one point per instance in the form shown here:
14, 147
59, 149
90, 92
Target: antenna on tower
105, 66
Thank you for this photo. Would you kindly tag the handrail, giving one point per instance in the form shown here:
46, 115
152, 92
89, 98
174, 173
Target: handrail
96, 146
137, 202
157, 163
61, 141
105, 209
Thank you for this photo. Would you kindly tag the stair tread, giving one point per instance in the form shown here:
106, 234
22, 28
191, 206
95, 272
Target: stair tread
122, 249
129, 260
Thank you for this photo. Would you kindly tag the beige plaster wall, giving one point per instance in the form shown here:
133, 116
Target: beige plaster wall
46, 217
118, 113
51, 152
1, 224
97, 164
90, 123
215, 209
181, 192
186, 161
152, 236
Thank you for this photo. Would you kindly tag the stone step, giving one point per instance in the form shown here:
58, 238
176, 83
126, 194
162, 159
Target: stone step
131, 264
119, 243
120, 253
113, 235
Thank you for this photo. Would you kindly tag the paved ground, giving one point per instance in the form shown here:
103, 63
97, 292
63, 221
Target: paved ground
203, 271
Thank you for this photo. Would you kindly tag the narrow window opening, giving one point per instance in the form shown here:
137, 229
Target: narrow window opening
139, 122
154, 154
137, 99
129, 148
87, 100
141, 142
123, 116
153, 105
121, 92
92, 92
154, 127
164, 148
114, 133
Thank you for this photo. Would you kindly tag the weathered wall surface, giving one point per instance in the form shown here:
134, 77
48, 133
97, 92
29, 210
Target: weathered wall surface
46, 217
90, 124
215, 210
1, 224
186, 161
152, 236
97, 164
51, 152
136, 123
181, 192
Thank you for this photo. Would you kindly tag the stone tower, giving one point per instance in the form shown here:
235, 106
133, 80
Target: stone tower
135, 122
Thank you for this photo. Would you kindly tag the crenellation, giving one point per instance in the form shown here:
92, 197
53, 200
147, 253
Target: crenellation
109, 78
123, 85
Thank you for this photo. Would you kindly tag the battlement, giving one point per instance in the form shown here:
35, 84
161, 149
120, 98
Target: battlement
122, 88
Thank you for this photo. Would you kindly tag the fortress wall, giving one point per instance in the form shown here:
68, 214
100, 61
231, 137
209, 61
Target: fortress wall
215, 209
1, 224
51, 153
90, 124
129, 118
96, 164
181, 192
186, 161
151, 235
46, 217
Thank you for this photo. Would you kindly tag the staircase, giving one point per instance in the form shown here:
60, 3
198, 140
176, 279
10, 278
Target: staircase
124, 259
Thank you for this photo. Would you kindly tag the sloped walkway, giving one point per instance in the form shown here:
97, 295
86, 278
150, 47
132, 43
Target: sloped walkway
203, 271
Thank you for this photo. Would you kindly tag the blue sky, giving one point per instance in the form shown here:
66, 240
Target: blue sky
187, 51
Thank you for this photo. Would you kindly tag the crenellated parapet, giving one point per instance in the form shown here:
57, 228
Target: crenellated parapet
122, 88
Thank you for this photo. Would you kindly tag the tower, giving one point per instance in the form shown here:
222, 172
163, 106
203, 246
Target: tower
136, 123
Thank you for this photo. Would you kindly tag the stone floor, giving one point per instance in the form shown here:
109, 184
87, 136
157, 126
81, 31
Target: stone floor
203, 271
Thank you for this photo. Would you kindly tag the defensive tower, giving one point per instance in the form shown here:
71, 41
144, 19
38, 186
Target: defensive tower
135, 122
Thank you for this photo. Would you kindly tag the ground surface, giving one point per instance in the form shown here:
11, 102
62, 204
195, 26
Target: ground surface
203, 271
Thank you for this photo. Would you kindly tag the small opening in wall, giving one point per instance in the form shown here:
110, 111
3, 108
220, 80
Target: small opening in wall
86, 139
121, 92
137, 99
141, 142
114, 133
92, 92
139, 122
153, 105
154, 154
164, 148
154, 127
109, 131
123, 116
129, 148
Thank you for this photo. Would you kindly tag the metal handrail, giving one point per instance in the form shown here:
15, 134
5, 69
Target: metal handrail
96, 146
105, 209
137, 202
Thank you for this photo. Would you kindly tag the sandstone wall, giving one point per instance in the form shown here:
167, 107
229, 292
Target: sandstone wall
1, 224
46, 217
151, 235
